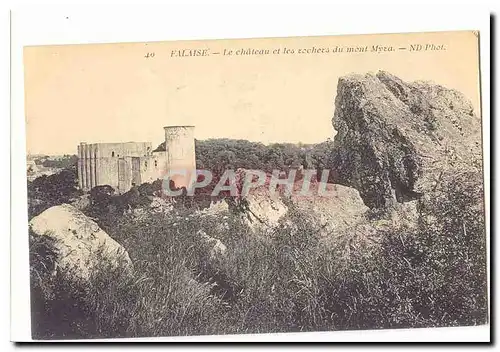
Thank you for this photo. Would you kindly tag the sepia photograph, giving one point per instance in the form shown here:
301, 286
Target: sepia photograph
255, 186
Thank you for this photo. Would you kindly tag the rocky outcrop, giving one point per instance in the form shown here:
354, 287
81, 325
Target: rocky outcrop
263, 209
337, 210
397, 140
82, 247
333, 207
215, 208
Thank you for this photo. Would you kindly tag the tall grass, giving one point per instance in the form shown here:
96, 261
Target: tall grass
289, 280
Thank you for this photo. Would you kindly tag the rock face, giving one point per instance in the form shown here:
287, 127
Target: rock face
215, 209
263, 209
334, 207
396, 139
340, 208
82, 247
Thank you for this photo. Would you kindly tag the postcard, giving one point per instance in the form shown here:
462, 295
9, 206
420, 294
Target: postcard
253, 186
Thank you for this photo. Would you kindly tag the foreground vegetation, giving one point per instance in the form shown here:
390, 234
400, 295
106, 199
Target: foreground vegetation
431, 275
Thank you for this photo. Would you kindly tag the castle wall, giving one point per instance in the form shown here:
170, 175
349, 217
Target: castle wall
153, 167
91, 161
120, 165
80, 167
97, 166
124, 174
108, 171
116, 150
109, 164
87, 165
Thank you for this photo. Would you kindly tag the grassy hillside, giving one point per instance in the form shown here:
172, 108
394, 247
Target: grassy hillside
289, 280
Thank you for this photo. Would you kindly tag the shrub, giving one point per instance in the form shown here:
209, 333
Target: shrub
47, 191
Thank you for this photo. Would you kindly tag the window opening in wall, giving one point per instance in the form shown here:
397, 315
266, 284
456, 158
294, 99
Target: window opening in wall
146, 164
112, 154
156, 163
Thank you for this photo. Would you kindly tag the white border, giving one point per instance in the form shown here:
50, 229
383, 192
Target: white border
38, 25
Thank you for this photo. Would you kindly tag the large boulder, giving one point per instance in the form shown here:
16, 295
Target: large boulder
334, 207
216, 208
338, 209
82, 247
398, 140
263, 209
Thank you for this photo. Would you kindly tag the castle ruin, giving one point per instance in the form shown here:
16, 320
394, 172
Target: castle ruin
123, 165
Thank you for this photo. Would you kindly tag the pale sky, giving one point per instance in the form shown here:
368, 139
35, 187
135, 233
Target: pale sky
112, 93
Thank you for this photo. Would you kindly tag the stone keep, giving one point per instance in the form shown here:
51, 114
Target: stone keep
180, 154
123, 165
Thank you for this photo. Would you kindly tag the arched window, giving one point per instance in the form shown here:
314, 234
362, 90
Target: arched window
112, 154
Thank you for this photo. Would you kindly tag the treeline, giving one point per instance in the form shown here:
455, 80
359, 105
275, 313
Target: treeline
65, 162
218, 155
47, 191
221, 154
